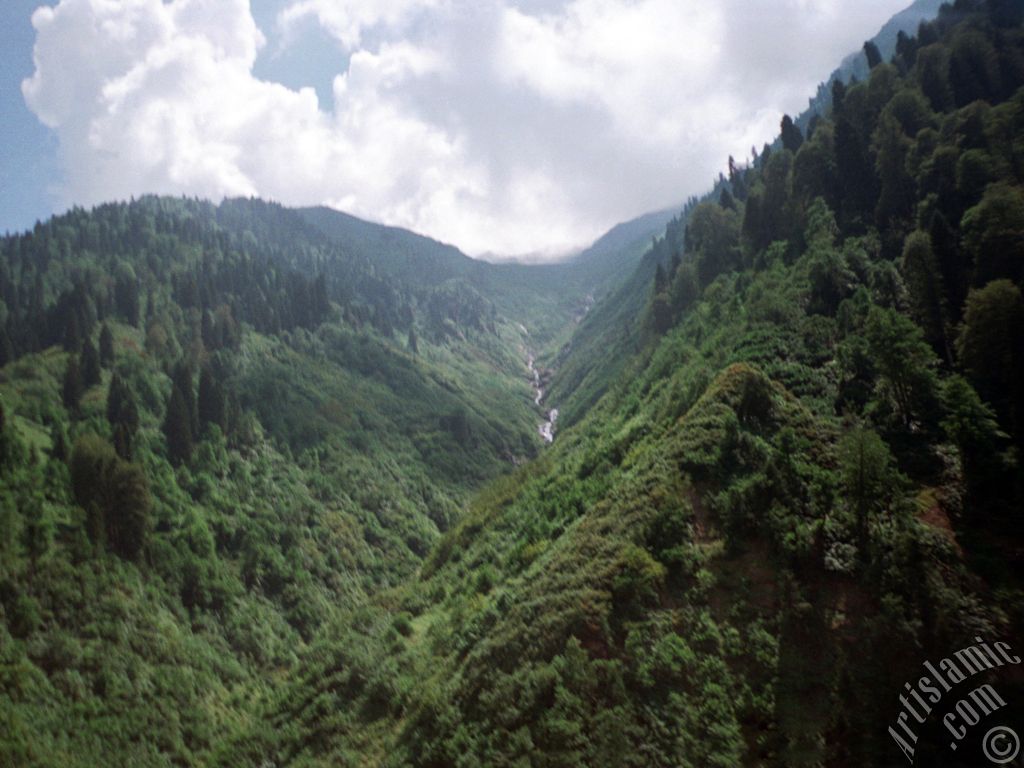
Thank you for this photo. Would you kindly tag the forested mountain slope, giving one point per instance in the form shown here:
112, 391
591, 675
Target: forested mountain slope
546, 297
801, 484
270, 499
895, 33
221, 427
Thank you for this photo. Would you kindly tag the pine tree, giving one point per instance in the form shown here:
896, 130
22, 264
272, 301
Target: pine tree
726, 200
114, 494
905, 362
178, 427
927, 295
72, 388
128, 508
59, 444
7, 353
181, 377
123, 415
92, 371
873, 55
660, 280
72, 334
991, 346
868, 478
413, 344
211, 404
792, 138
106, 346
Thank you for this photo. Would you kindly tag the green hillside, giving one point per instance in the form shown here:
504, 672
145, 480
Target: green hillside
272, 491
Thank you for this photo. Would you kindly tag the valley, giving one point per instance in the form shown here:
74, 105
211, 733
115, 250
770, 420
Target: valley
282, 487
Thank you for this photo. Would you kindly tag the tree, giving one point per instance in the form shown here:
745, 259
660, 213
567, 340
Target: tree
713, 237
661, 313
106, 346
413, 344
72, 388
1006, 13
736, 174
990, 345
897, 191
59, 443
211, 400
123, 415
927, 294
726, 200
972, 426
906, 49
933, 76
685, 289
126, 294
792, 138
7, 353
905, 363
830, 278
92, 371
128, 508
868, 477
181, 378
814, 170
114, 494
950, 261
177, 427
993, 234
872, 54
660, 279
72, 333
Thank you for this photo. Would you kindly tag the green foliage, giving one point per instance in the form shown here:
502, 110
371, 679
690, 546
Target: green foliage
114, 494
905, 364
106, 350
767, 494
177, 426
868, 478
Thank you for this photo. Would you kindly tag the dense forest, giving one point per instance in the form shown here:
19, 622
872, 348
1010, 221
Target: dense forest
272, 493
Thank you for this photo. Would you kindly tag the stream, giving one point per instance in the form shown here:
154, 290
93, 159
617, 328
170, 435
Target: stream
547, 428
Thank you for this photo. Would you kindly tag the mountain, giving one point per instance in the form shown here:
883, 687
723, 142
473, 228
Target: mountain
396, 252
855, 65
555, 293
272, 491
788, 481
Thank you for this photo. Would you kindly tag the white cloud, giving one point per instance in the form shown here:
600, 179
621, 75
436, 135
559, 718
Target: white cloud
500, 125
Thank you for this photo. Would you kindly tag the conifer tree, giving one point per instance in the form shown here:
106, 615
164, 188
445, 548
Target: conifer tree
868, 477
927, 295
991, 347
873, 55
72, 387
92, 372
178, 427
181, 377
106, 346
114, 494
792, 138
123, 415
211, 403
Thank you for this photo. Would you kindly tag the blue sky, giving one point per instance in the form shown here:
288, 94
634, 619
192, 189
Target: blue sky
28, 153
502, 126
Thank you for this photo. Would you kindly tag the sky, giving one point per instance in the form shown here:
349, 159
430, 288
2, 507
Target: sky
502, 126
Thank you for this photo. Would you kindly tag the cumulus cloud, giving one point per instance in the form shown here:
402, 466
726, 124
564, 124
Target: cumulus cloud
505, 126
